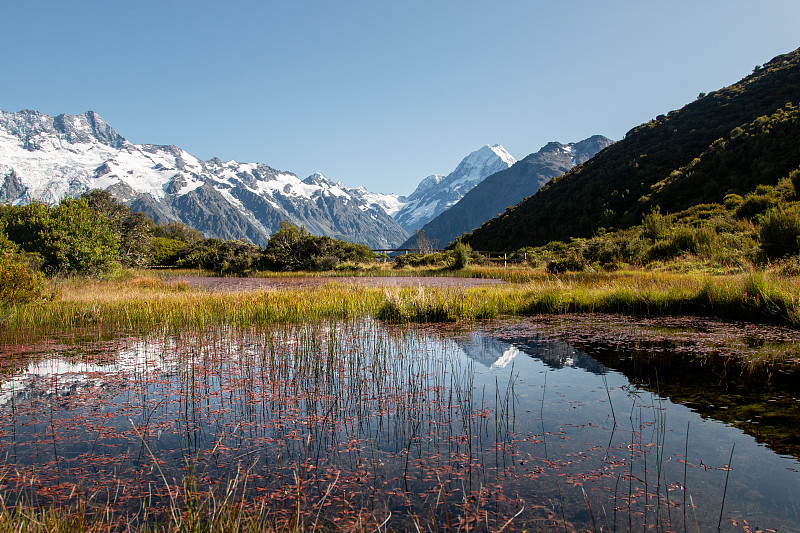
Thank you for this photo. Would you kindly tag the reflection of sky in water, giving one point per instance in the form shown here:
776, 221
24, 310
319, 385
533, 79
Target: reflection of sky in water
541, 418
576, 402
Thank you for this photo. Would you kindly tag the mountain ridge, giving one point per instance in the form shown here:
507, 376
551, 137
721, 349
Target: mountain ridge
437, 193
48, 158
507, 188
616, 188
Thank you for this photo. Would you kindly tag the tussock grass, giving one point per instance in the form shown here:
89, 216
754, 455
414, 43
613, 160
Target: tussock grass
140, 303
146, 302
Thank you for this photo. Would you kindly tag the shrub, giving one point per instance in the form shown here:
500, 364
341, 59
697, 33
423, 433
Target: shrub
683, 240
165, 251
293, 248
419, 260
19, 283
572, 262
324, 263
757, 202
71, 237
602, 250
178, 231
794, 177
780, 231
461, 254
732, 201
632, 249
654, 225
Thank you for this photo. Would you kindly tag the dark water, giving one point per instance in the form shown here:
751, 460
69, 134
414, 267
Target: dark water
503, 424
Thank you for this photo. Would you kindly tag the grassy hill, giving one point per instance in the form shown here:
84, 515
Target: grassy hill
727, 142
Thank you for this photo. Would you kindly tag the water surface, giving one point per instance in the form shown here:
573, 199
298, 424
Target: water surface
500, 424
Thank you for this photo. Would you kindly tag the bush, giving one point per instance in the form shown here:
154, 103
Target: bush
780, 232
324, 263
70, 238
572, 262
757, 202
178, 231
223, 257
19, 283
461, 254
601, 250
683, 240
732, 201
165, 251
632, 249
293, 248
419, 260
794, 177
654, 225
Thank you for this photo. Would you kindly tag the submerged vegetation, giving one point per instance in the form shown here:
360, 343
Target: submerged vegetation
355, 425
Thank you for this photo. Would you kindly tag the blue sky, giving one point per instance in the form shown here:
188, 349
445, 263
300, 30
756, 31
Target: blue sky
378, 93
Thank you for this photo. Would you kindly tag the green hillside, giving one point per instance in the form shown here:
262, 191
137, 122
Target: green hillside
726, 142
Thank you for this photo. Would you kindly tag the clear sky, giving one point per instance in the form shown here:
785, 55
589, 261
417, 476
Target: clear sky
378, 93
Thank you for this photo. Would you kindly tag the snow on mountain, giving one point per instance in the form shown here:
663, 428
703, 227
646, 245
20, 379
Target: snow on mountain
437, 193
508, 187
47, 158
389, 203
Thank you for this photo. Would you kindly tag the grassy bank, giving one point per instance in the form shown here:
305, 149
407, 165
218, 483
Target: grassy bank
146, 302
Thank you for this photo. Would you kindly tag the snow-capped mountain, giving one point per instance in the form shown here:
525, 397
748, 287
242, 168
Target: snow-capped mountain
436, 193
508, 187
47, 158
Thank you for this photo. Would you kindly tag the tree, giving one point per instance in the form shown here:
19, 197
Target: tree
134, 230
71, 237
461, 257
283, 251
425, 244
293, 248
78, 239
178, 231
136, 240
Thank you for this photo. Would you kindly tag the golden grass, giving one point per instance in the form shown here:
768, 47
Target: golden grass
144, 302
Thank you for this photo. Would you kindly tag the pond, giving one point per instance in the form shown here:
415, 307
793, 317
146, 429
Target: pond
572, 423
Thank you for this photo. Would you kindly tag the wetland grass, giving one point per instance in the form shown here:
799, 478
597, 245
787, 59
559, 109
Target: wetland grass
147, 302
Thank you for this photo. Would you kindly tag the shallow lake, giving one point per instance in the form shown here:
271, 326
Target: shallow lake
576, 423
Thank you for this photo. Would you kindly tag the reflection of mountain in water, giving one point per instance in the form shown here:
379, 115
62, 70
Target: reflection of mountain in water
494, 353
59, 376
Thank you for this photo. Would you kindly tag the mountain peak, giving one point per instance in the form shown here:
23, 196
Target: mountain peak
317, 178
32, 127
488, 153
435, 193
87, 127
506, 188
503, 154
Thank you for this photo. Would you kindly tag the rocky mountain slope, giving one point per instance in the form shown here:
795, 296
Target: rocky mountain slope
46, 158
507, 188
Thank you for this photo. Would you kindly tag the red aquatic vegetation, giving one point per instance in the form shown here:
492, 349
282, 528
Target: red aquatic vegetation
406, 433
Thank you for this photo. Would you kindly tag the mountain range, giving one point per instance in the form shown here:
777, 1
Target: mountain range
46, 158
507, 188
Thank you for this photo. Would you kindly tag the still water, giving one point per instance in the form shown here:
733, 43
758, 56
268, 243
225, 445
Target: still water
512, 424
